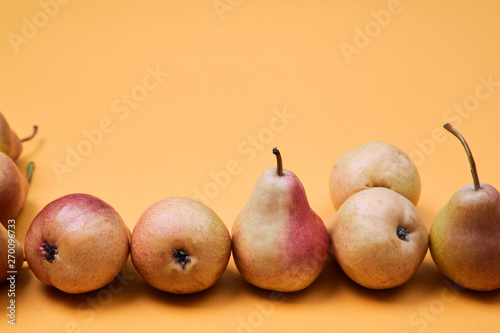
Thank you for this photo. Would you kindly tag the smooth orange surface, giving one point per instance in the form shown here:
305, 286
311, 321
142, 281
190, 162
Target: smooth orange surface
140, 100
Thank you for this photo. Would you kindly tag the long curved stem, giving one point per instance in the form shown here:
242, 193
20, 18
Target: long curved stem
279, 169
35, 129
473, 170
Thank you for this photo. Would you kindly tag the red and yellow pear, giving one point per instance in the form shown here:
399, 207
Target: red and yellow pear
279, 242
180, 245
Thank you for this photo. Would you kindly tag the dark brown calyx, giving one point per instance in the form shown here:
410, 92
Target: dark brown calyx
182, 257
49, 251
402, 234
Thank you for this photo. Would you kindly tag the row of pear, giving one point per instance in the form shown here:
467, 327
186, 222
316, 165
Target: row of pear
79, 243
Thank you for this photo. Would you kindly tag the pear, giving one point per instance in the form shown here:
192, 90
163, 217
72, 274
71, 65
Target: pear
374, 164
180, 245
279, 242
11, 253
10, 143
77, 243
13, 188
465, 234
378, 238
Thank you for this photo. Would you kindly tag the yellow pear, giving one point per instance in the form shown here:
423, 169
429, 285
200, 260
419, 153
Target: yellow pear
378, 238
374, 164
465, 235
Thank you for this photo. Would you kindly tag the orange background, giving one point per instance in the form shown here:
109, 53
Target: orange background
343, 72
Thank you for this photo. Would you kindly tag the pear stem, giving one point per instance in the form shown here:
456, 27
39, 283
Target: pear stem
29, 175
279, 169
473, 170
35, 129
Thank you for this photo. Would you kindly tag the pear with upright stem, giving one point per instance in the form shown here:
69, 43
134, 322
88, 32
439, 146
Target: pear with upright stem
464, 238
279, 242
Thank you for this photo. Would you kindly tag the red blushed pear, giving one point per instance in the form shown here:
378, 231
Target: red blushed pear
465, 235
13, 188
10, 143
180, 245
77, 243
279, 242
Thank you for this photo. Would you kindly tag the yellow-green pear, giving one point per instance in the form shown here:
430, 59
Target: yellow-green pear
279, 242
465, 235
374, 164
